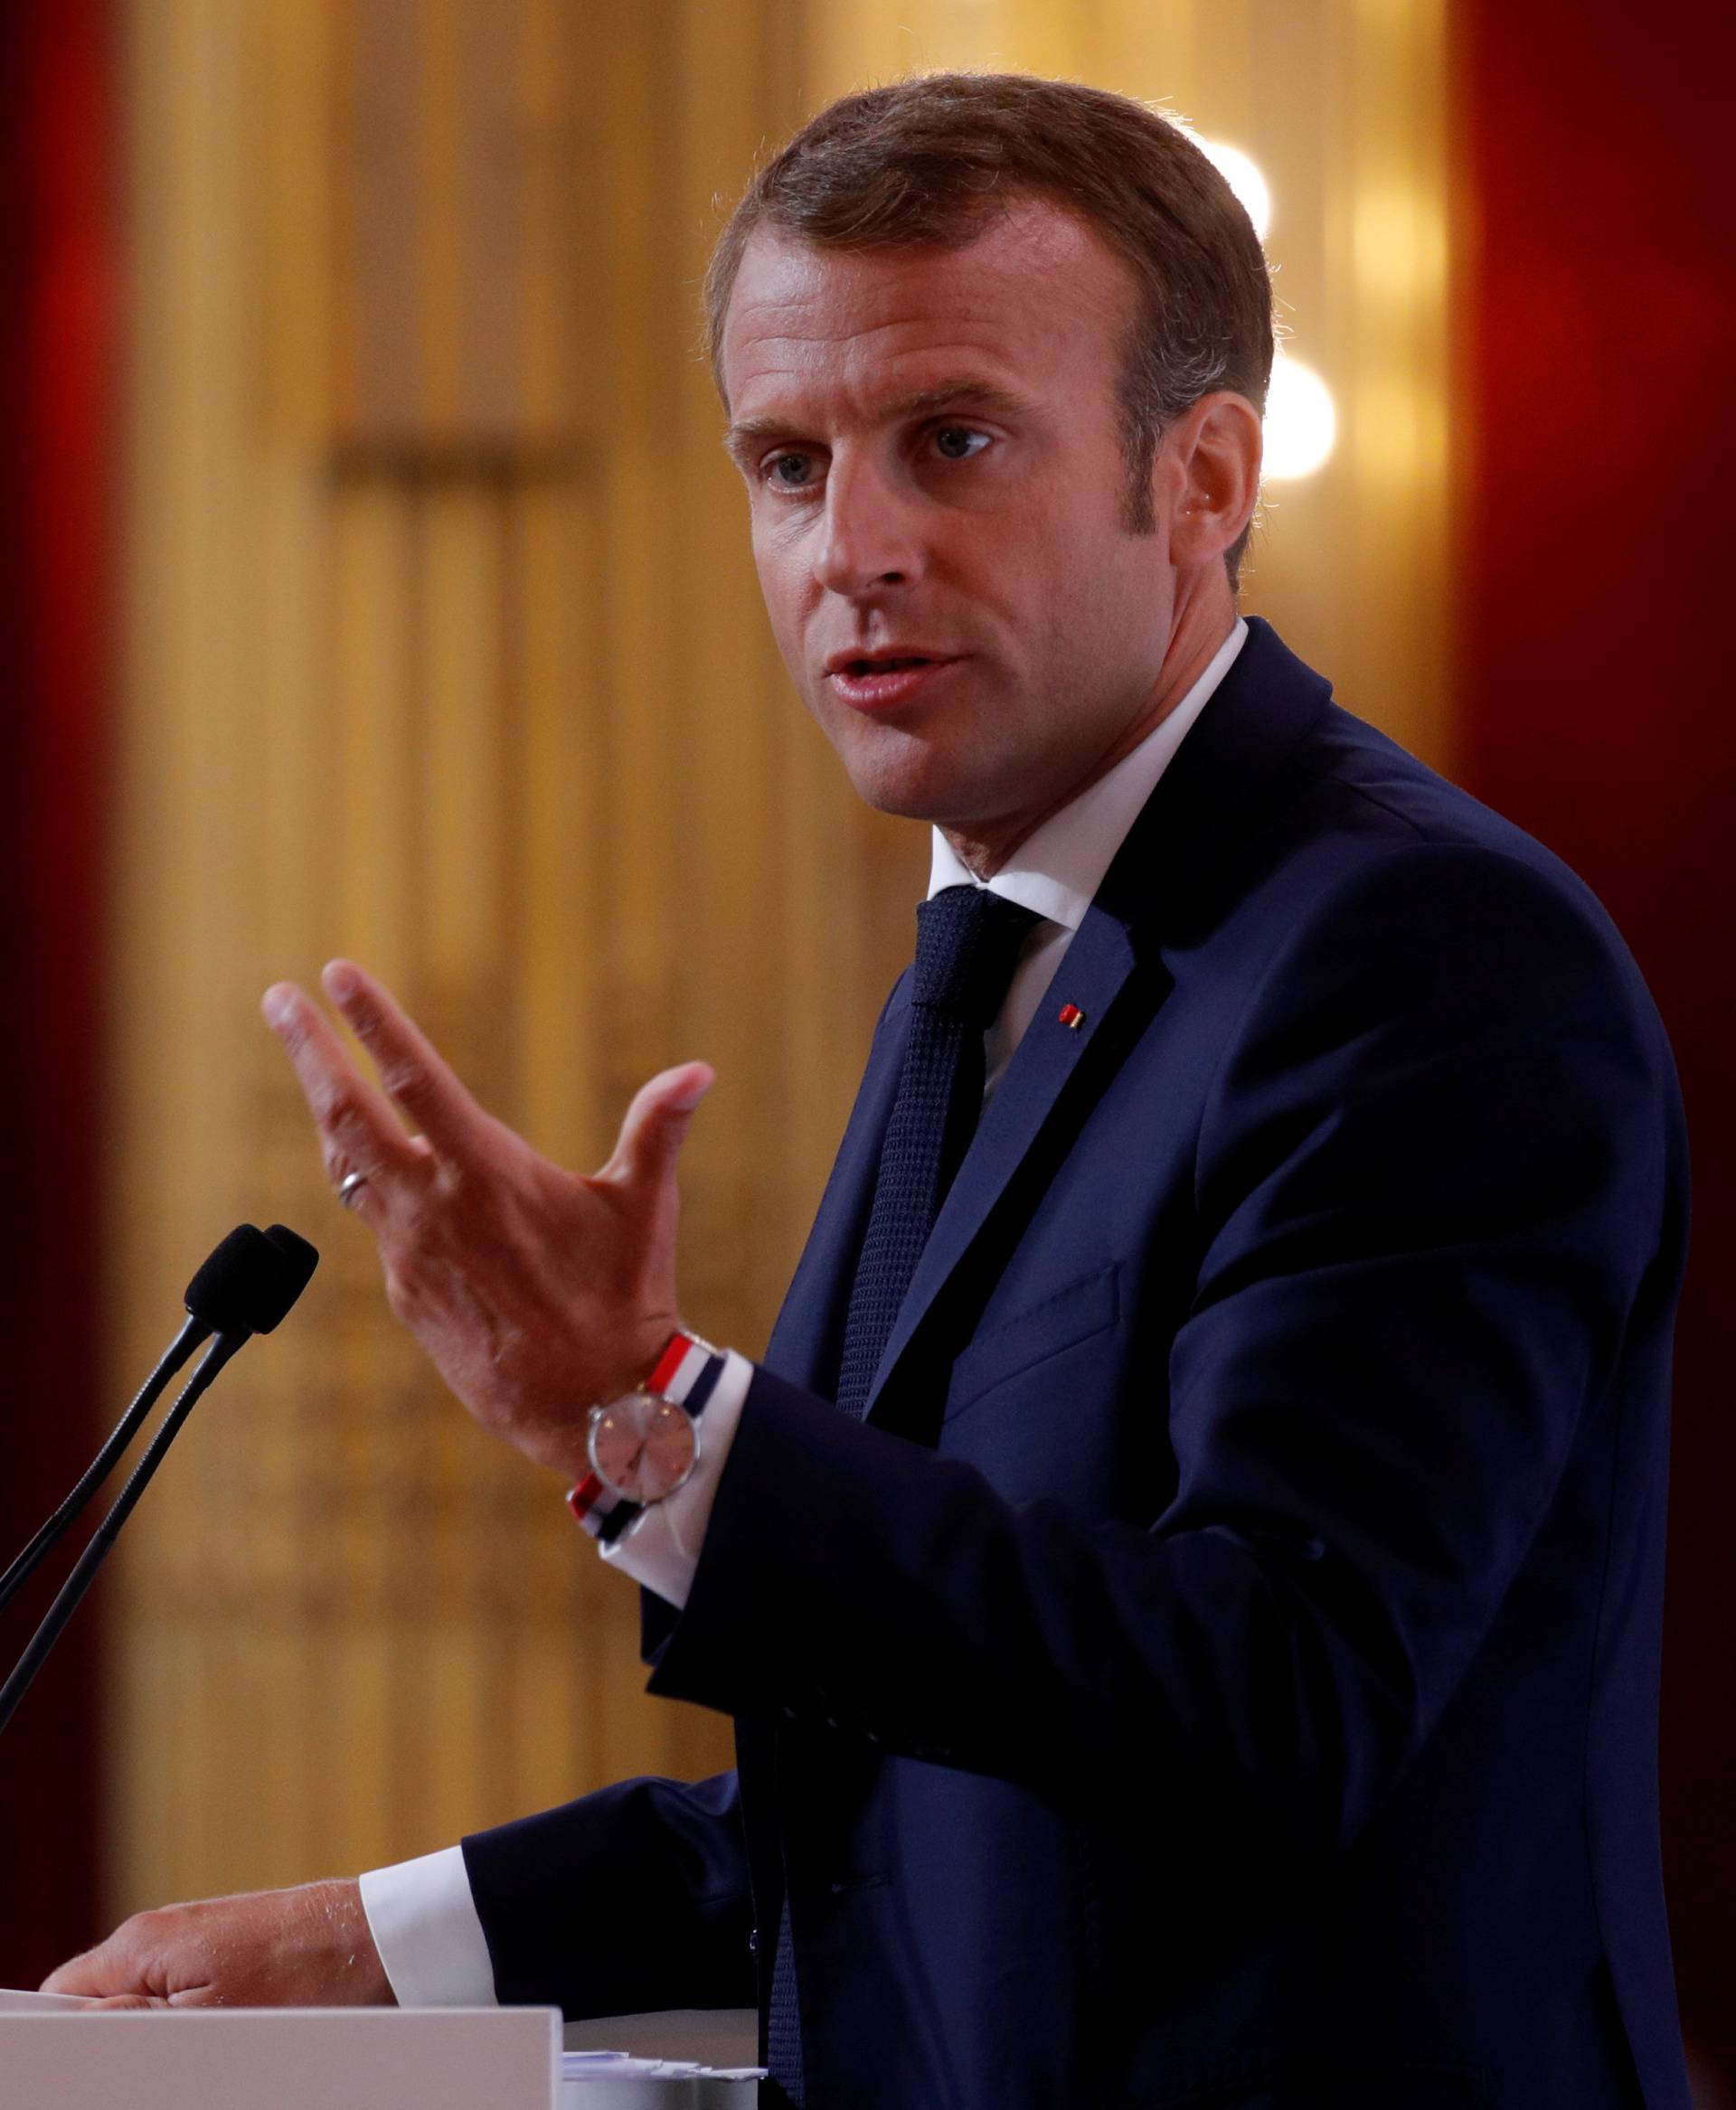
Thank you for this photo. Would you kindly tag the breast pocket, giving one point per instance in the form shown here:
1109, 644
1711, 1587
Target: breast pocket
1036, 1344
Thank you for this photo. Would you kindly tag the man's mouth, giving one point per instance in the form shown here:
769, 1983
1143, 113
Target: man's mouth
886, 667
881, 681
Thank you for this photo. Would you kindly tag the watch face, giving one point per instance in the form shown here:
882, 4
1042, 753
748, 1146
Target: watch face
642, 1447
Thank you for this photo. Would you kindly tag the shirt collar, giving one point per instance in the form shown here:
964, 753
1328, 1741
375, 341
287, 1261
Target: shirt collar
1060, 866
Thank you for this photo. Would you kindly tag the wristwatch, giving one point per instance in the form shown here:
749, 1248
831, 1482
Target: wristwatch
645, 1444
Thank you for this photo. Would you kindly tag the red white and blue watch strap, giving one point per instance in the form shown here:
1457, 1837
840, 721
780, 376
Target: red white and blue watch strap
686, 1374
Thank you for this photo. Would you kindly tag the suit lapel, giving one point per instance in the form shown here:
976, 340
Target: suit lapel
1096, 966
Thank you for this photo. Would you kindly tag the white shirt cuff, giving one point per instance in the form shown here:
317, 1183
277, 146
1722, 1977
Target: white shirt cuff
424, 1924
661, 1549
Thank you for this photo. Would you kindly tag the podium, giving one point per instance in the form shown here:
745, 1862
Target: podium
282, 2058
317, 2059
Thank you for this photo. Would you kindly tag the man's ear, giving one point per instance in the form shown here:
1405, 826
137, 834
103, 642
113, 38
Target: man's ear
1213, 452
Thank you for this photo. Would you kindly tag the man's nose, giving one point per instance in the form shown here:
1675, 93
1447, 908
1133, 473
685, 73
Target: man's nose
868, 540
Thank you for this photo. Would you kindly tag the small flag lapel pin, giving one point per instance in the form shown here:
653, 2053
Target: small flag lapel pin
1072, 1017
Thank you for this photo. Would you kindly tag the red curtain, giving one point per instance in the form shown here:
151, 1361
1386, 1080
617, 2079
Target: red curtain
56, 267
1599, 707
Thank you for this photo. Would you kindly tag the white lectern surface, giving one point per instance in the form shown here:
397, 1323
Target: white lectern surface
282, 2058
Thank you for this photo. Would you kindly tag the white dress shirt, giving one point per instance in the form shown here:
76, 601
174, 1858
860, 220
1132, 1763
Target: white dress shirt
421, 1914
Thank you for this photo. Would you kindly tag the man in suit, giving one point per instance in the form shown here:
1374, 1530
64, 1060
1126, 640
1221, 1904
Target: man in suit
1212, 1658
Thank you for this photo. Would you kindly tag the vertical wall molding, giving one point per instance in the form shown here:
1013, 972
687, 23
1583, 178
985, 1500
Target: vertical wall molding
442, 650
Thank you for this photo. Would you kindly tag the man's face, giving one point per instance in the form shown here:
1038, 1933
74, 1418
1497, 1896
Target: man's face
932, 445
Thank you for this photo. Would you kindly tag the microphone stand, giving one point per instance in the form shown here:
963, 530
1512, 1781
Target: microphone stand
24, 1670
191, 1334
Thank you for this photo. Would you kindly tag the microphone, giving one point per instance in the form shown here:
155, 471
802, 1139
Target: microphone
249, 1281
223, 1297
246, 1287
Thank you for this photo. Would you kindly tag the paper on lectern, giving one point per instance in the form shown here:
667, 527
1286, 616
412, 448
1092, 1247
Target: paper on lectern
612, 2080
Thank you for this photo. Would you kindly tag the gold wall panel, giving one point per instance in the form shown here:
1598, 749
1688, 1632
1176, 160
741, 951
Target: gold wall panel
442, 649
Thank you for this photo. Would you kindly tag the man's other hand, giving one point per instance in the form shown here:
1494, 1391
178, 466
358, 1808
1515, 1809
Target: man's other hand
535, 1292
304, 1947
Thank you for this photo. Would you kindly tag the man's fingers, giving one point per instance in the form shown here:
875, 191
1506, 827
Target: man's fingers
99, 1974
413, 1073
656, 1122
70, 1978
358, 1130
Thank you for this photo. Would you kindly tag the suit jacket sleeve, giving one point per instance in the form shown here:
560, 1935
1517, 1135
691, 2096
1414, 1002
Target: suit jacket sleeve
630, 1899
1429, 1194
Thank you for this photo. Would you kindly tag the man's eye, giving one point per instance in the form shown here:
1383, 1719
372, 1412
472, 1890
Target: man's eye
960, 442
792, 472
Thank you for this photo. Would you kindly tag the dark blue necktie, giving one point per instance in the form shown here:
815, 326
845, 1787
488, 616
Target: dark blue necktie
967, 943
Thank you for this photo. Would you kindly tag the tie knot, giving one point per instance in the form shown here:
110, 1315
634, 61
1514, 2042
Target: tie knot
966, 943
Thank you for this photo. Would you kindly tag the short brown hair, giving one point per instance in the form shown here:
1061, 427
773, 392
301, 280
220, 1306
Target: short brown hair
932, 159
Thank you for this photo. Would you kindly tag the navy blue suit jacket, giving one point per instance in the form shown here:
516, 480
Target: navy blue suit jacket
1223, 1669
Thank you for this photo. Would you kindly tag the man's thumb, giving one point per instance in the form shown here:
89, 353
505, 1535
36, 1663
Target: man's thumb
657, 1121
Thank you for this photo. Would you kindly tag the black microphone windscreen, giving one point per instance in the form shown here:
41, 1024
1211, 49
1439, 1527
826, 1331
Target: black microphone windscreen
297, 1260
221, 1294
250, 1279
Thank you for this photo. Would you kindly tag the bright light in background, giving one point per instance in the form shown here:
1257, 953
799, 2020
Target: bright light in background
1243, 172
1301, 423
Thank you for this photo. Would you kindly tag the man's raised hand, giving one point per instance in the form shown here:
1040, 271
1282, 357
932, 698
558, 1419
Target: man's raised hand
535, 1292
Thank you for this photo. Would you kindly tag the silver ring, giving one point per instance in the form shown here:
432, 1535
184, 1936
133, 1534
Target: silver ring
352, 1181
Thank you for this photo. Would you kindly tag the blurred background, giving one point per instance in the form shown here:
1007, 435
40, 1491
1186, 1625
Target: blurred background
374, 583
